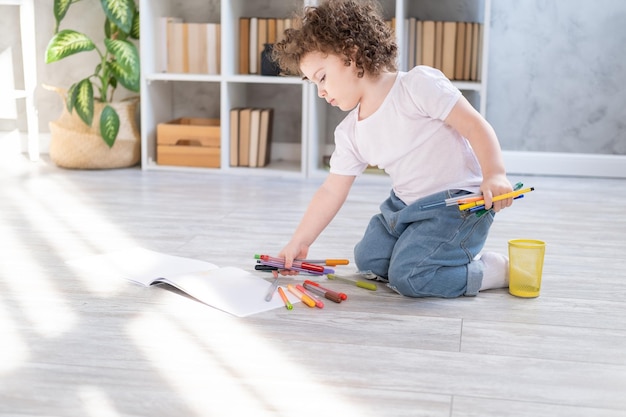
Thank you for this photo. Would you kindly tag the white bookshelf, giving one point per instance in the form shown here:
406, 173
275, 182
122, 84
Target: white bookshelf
307, 119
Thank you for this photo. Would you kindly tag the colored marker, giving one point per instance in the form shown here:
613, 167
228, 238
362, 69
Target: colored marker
267, 266
339, 294
481, 211
496, 198
296, 264
328, 295
361, 284
466, 198
455, 200
302, 297
318, 303
281, 265
449, 201
328, 262
288, 305
271, 290
262, 267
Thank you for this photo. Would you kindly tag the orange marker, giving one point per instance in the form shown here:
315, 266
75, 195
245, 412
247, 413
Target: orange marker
288, 305
303, 297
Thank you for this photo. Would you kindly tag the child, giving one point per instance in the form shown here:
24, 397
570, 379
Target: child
417, 127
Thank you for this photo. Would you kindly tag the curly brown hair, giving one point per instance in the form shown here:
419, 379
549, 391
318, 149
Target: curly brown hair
353, 29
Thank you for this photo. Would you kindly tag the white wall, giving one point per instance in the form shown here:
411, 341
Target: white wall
557, 75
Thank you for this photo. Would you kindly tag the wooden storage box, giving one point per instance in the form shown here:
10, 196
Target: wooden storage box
189, 142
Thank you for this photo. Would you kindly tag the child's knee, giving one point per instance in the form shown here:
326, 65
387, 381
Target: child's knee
405, 285
414, 282
428, 281
364, 261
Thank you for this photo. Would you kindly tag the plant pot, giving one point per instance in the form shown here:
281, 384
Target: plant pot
75, 145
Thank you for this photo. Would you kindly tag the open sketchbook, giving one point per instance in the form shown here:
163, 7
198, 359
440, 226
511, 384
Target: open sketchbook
229, 289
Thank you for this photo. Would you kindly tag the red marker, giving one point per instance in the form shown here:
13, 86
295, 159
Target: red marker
338, 294
332, 296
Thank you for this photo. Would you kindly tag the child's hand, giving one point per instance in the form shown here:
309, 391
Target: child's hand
495, 186
289, 253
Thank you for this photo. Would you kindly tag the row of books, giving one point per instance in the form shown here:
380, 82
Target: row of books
254, 33
250, 136
190, 47
455, 48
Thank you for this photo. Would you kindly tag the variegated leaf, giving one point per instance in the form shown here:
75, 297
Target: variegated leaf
126, 66
120, 12
60, 9
65, 43
109, 125
69, 102
82, 100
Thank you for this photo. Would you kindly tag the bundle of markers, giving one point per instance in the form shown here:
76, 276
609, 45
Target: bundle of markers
475, 203
309, 292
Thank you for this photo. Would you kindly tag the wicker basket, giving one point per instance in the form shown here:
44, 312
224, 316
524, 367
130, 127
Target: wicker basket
75, 145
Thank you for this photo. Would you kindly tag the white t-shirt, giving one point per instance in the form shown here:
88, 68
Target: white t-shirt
407, 138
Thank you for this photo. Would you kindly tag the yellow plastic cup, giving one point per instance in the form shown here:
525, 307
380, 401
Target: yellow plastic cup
525, 267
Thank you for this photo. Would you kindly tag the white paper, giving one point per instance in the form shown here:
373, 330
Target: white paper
229, 289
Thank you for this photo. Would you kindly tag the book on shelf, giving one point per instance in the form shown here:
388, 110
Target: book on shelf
460, 51
197, 47
253, 42
250, 136
419, 32
213, 48
475, 52
438, 43
255, 130
162, 35
234, 137
428, 43
468, 51
244, 136
280, 30
193, 47
244, 45
177, 60
265, 136
261, 41
448, 49
230, 289
455, 48
271, 31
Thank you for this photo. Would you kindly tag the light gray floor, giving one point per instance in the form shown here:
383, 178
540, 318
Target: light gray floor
73, 345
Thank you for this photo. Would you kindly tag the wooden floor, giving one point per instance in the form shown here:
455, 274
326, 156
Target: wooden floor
74, 345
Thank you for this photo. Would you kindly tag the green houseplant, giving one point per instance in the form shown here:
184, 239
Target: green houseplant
92, 98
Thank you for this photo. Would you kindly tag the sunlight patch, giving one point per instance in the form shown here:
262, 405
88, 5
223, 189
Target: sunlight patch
14, 350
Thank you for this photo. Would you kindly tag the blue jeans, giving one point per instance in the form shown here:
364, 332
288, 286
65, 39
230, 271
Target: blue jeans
425, 252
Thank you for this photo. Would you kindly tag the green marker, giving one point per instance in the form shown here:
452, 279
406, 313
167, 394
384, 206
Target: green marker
361, 284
